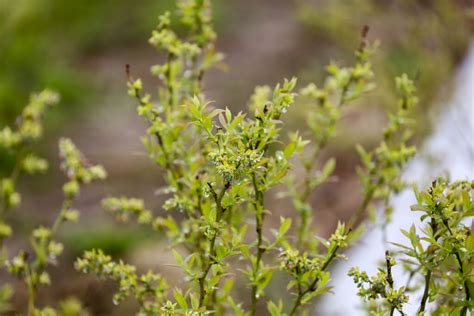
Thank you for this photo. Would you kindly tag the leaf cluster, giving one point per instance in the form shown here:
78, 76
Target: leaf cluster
221, 168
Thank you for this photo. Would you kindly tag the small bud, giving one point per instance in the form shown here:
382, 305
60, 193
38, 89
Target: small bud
41, 233
44, 279
97, 173
55, 249
5, 230
32, 164
13, 200
70, 215
8, 138
71, 189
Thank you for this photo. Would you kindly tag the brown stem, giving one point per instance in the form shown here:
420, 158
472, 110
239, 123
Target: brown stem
259, 216
210, 262
389, 277
212, 248
296, 305
461, 269
424, 299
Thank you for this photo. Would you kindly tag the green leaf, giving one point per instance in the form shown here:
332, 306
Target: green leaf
178, 295
327, 170
275, 310
178, 258
285, 224
289, 150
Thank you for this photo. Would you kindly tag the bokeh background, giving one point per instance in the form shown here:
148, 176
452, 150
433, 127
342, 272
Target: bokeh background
79, 48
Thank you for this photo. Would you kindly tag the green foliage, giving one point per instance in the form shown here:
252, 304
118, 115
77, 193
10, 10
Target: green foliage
343, 85
220, 169
220, 166
439, 257
310, 275
380, 286
31, 267
69, 307
380, 174
147, 289
18, 143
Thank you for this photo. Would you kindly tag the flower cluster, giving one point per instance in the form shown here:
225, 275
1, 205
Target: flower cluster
147, 289
30, 266
382, 287
221, 168
18, 142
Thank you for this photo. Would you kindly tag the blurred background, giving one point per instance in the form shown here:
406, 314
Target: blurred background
79, 48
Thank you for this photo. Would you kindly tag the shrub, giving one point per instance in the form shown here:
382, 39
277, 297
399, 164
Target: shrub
220, 169
31, 266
